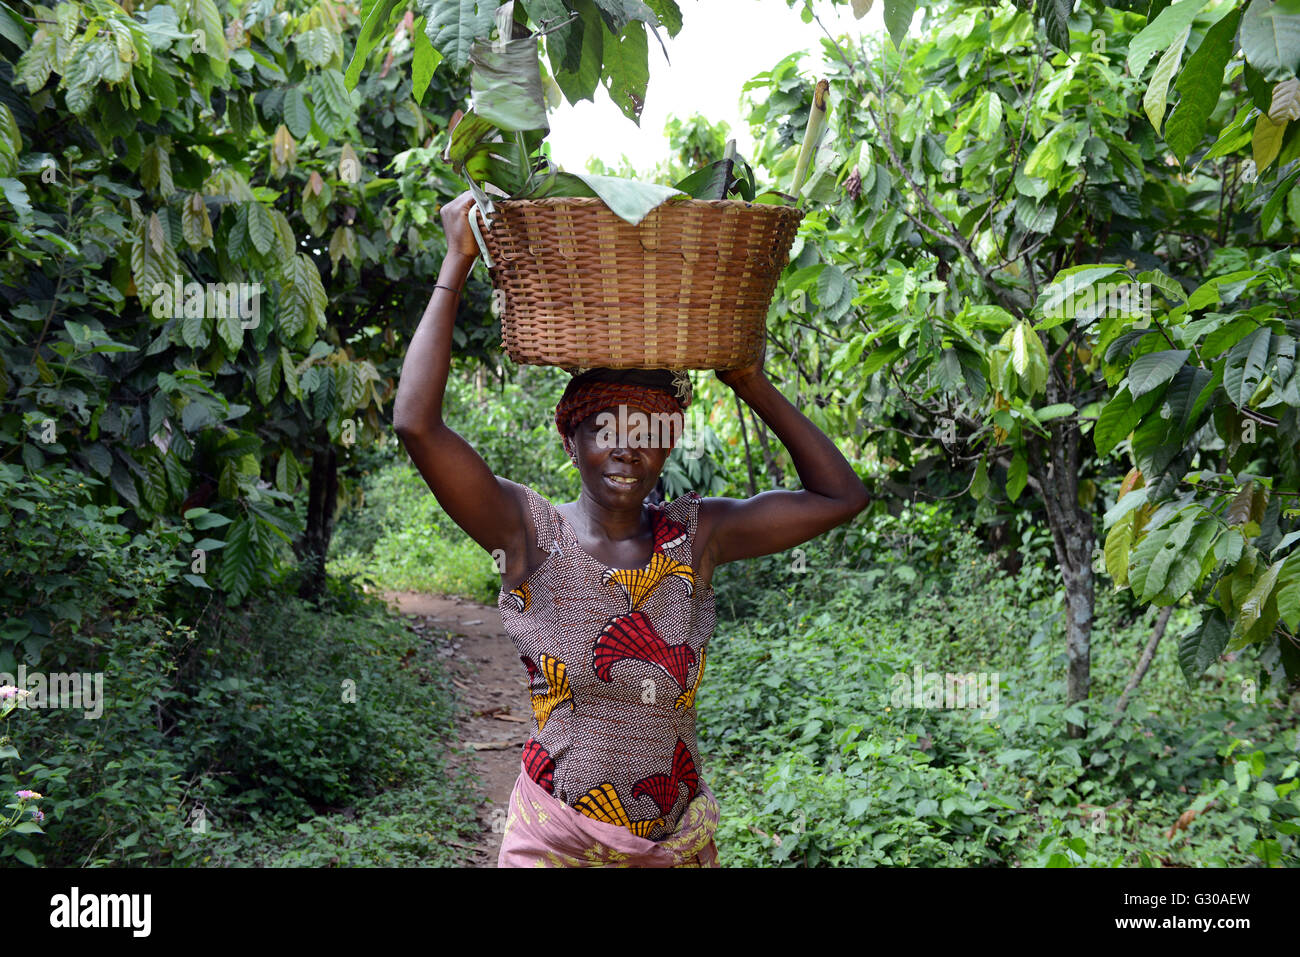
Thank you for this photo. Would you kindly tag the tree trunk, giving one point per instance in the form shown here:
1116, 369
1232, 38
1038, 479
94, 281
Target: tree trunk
1074, 537
322, 500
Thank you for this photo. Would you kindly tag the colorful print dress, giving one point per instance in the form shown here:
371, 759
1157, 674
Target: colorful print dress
614, 660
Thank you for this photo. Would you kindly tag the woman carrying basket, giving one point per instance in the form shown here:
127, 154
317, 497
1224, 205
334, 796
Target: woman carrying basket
608, 599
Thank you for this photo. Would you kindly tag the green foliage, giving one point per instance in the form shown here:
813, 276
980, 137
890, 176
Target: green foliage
92, 604
815, 763
1224, 531
1009, 314
168, 329
214, 732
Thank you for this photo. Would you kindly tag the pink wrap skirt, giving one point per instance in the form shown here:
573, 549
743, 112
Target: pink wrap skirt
542, 831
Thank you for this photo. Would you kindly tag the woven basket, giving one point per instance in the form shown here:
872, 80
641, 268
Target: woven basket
687, 288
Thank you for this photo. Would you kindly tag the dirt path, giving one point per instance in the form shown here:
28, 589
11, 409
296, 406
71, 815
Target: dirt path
493, 719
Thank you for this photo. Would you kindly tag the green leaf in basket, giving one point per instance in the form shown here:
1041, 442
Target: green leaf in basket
774, 197
556, 183
707, 182
627, 198
470, 133
506, 85
477, 150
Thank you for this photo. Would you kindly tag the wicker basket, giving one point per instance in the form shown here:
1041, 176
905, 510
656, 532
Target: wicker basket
687, 288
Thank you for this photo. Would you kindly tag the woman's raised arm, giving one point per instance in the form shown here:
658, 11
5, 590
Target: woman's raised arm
779, 519
490, 510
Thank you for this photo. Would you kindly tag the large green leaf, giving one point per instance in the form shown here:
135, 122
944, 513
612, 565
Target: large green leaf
154, 263
1116, 550
230, 329
1033, 217
708, 182
546, 14
898, 17
377, 15
563, 43
454, 25
586, 37
1160, 32
1187, 561
1201, 647
670, 16
1274, 204
1155, 446
1119, 417
1244, 369
1270, 39
628, 199
239, 559
1158, 89
1059, 299
1049, 153
1257, 598
297, 115
1017, 475
1154, 369
1199, 86
424, 60
205, 15
1159, 560
302, 303
332, 100
260, 228
1187, 395
1266, 143
506, 85
1288, 591
267, 378
468, 135
316, 46
627, 69
1056, 20
1169, 535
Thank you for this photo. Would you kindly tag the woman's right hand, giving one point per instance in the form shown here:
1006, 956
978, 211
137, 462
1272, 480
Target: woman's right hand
455, 222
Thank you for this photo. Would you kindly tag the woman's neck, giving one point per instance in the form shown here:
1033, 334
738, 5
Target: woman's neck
599, 522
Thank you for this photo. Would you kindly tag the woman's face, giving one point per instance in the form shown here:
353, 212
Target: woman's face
608, 454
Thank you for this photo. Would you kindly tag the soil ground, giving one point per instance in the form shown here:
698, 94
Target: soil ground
493, 716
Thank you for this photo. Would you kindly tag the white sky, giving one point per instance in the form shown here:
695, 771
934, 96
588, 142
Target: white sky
722, 44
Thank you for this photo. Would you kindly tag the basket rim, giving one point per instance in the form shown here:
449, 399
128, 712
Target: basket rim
689, 202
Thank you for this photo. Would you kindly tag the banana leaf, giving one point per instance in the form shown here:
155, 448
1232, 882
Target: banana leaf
629, 199
506, 85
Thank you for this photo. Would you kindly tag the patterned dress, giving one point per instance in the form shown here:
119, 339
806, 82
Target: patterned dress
614, 659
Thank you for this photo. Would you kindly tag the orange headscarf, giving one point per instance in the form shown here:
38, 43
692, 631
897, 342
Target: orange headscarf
653, 390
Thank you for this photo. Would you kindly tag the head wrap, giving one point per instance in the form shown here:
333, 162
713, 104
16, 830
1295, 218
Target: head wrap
595, 388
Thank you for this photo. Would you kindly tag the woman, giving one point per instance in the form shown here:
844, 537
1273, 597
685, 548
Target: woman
608, 599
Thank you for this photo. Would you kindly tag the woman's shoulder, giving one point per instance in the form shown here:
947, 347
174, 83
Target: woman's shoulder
539, 509
685, 508
527, 492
